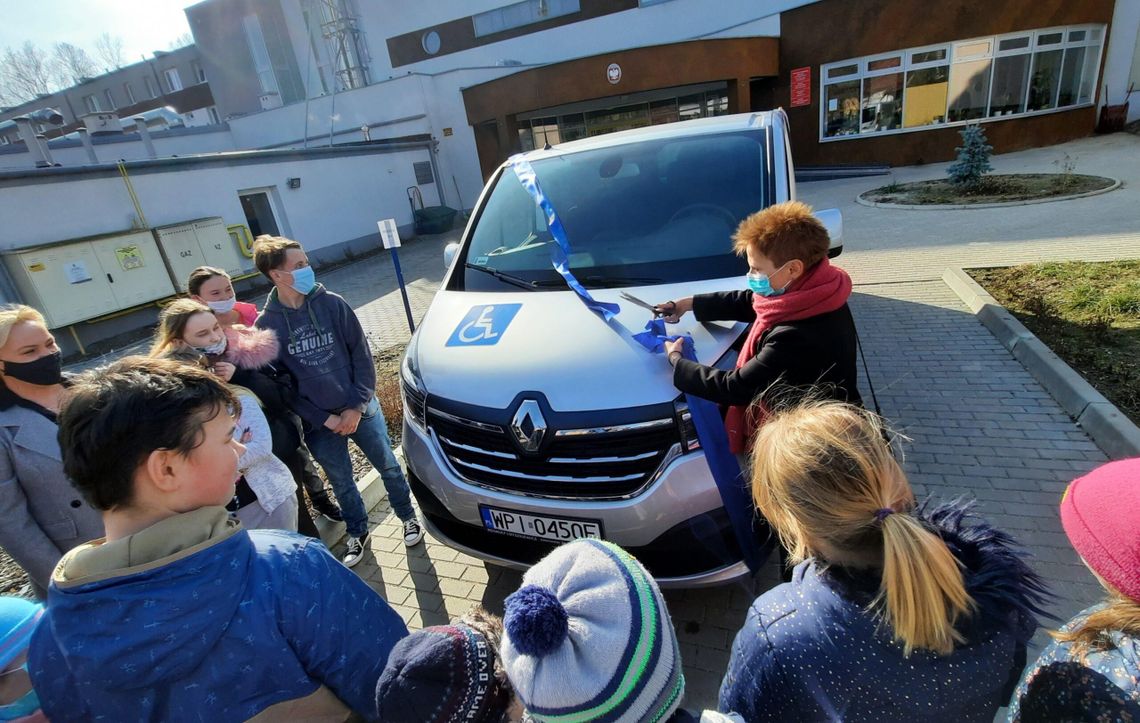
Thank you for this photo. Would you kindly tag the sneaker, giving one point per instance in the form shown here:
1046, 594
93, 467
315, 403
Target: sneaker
354, 551
413, 532
326, 508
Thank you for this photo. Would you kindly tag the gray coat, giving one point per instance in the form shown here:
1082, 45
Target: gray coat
42, 515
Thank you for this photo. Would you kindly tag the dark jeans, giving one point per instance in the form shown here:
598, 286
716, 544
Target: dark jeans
331, 452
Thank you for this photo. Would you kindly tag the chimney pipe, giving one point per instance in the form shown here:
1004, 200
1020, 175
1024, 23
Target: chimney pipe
144, 133
42, 140
28, 136
87, 145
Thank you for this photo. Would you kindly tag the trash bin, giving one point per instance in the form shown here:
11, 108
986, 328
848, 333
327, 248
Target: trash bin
434, 219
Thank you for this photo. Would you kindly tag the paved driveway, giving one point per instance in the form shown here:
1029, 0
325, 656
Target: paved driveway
977, 422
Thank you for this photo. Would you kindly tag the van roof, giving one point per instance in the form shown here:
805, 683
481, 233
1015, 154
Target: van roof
698, 126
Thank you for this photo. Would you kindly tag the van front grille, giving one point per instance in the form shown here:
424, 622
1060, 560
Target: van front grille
601, 463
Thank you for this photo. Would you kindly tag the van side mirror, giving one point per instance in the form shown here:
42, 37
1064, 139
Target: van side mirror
832, 220
449, 252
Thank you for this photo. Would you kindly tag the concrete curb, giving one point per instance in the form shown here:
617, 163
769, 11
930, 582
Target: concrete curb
1004, 204
1113, 432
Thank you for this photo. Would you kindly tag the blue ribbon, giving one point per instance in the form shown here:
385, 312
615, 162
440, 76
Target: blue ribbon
734, 493
560, 252
705, 415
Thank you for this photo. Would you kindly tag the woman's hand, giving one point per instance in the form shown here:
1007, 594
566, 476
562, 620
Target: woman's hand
225, 370
672, 311
676, 346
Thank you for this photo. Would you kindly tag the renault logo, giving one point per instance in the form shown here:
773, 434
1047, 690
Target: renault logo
528, 426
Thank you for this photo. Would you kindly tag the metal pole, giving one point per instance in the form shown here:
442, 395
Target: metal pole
403, 290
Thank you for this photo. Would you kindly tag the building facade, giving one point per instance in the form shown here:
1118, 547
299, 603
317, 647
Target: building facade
880, 81
174, 79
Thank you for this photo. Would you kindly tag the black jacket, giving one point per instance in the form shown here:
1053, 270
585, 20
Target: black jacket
800, 354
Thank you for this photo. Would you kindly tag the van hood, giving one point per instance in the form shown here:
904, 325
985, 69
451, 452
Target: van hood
549, 341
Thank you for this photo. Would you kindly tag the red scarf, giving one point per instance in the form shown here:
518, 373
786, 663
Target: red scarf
823, 289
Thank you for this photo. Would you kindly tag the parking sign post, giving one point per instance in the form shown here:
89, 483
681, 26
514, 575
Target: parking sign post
391, 240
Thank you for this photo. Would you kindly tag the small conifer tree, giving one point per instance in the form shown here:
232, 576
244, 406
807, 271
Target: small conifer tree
973, 157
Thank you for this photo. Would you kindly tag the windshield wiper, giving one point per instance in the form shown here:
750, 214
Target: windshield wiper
610, 282
513, 280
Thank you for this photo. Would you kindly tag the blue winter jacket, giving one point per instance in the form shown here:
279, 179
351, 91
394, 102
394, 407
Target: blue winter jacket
1104, 686
218, 631
325, 350
811, 651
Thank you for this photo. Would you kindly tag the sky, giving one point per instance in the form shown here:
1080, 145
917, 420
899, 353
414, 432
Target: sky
144, 25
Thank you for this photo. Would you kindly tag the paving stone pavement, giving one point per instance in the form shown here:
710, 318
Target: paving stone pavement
977, 422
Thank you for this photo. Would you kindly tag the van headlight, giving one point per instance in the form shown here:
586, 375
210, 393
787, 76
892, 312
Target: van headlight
412, 386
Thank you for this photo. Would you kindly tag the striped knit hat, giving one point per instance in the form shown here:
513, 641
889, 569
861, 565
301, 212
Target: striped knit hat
588, 638
441, 674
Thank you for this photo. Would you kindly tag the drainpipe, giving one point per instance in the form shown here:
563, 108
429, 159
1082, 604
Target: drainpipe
87, 145
144, 133
28, 136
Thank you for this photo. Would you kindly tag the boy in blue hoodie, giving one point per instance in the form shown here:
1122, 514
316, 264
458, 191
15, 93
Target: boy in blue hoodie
323, 347
179, 612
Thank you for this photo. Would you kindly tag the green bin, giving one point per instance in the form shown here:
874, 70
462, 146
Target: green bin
434, 219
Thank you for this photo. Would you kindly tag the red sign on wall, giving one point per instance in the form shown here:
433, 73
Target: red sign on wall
801, 86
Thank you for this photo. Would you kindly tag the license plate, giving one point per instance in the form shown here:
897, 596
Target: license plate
539, 527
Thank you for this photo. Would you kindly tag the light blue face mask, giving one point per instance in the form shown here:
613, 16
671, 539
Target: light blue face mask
213, 349
304, 280
762, 284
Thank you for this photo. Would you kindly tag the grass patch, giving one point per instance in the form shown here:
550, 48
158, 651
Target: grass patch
1086, 312
995, 188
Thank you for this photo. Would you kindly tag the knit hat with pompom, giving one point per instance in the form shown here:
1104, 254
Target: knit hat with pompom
588, 636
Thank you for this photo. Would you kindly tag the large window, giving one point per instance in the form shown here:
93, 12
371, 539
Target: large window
960, 82
521, 14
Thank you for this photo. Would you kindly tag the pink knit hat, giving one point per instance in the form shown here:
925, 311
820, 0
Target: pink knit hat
1101, 516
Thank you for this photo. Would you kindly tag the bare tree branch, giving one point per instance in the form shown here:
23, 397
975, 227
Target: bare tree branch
182, 41
25, 72
109, 51
73, 64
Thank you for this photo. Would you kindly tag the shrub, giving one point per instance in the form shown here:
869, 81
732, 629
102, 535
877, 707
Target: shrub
973, 157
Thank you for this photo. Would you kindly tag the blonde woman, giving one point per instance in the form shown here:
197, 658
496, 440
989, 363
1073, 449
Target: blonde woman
42, 515
1092, 670
895, 611
244, 356
266, 493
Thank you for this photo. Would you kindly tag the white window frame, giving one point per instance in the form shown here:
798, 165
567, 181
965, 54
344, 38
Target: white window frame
1095, 37
151, 87
110, 97
173, 79
198, 72
500, 19
259, 55
130, 93
91, 103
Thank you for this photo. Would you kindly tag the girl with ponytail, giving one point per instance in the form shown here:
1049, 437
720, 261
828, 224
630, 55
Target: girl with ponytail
1092, 669
896, 610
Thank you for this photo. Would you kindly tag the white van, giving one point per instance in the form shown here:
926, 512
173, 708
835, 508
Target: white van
529, 419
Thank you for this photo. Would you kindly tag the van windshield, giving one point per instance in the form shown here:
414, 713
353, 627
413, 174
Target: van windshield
649, 212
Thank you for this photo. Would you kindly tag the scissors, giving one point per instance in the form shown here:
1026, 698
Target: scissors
638, 302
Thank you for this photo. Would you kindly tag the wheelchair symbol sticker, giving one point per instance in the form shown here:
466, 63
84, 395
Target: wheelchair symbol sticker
483, 325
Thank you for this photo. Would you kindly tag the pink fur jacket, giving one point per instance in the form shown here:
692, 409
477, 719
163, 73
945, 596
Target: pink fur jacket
249, 347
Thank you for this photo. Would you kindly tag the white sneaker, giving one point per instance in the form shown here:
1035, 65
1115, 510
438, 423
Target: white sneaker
354, 551
413, 532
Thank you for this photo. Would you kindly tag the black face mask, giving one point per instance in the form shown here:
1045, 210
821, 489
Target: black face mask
45, 371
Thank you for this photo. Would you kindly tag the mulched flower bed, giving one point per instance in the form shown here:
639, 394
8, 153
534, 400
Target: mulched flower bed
995, 188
